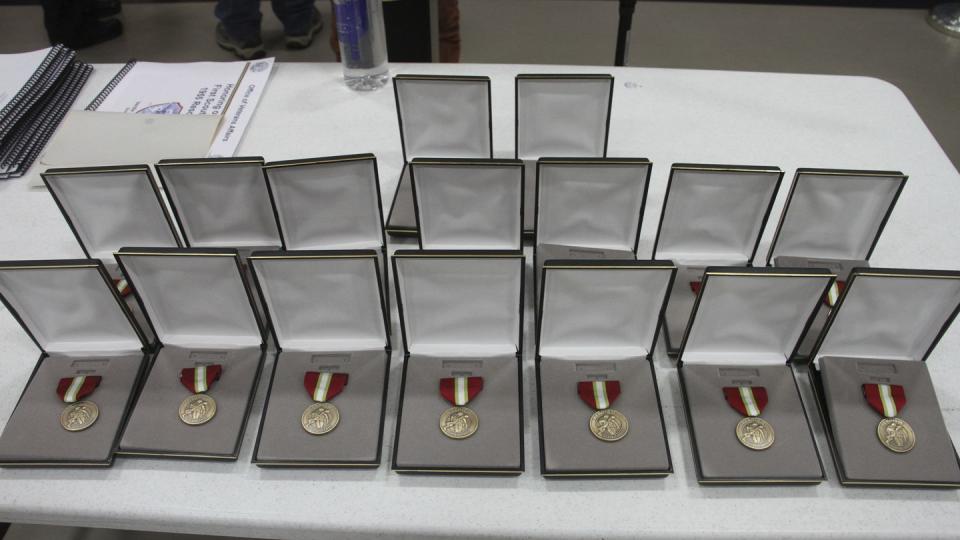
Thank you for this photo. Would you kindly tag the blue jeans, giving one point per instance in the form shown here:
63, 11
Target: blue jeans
241, 18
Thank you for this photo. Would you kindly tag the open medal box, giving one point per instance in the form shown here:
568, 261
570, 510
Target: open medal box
874, 391
439, 117
744, 412
468, 203
93, 354
565, 115
713, 215
108, 208
833, 219
597, 394
220, 202
327, 395
589, 208
461, 395
197, 395
329, 203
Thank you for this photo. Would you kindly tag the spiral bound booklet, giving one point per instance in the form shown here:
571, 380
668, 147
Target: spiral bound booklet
230, 90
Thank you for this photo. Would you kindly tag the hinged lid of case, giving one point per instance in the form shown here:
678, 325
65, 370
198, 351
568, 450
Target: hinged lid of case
112, 207
220, 202
444, 116
895, 314
596, 202
460, 303
564, 115
194, 297
602, 309
327, 203
752, 315
323, 300
468, 203
715, 213
69, 306
836, 214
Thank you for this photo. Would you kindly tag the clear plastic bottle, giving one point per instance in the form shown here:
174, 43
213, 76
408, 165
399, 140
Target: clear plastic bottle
363, 44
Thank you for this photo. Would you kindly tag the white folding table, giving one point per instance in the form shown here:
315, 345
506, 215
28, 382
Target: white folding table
665, 115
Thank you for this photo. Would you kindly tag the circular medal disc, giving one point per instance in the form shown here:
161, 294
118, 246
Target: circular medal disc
459, 422
755, 433
197, 409
79, 416
896, 434
609, 425
320, 418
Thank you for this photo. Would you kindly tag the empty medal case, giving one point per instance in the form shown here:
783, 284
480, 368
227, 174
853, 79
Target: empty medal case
588, 208
440, 116
468, 203
885, 326
559, 115
203, 312
713, 215
833, 219
327, 315
599, 321
461, 313
73, 312
746, 323
329, 203
108, 208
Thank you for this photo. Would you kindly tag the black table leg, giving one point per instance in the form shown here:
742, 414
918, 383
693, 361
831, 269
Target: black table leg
623, 31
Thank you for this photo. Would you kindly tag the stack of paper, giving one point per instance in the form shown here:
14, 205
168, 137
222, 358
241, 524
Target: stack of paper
36, 90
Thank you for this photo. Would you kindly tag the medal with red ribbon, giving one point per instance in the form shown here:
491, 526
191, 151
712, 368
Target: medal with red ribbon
833, 294
695, 287
199, 408
78, 415
460, 421
888, 400
123, 287
752, 431
605, 423
321, 417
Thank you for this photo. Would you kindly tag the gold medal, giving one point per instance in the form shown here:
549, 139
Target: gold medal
197, 409
79, 416
755, 433
896, 434
609, 425
459, 422
320, 418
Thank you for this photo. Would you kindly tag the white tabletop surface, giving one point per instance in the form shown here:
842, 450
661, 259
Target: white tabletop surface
665, 115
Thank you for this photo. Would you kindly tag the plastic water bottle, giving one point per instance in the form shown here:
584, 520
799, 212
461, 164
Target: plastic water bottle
363, 45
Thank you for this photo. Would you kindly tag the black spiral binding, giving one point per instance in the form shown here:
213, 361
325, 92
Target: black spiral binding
111, 86
46, 80
53, 53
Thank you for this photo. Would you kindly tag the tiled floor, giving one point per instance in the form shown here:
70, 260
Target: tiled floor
894, 45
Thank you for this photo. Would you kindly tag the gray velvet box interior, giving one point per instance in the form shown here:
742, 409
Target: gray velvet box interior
33, 431
355, 439
402, 215
854, 423
568, 444
793, 455
529, 195
155, 426
495, 445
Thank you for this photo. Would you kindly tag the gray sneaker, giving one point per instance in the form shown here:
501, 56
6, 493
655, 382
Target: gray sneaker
304, 41
246, 50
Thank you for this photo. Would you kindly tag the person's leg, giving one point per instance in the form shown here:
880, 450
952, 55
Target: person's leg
75, 23
448, 30
301, 21
239, 27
